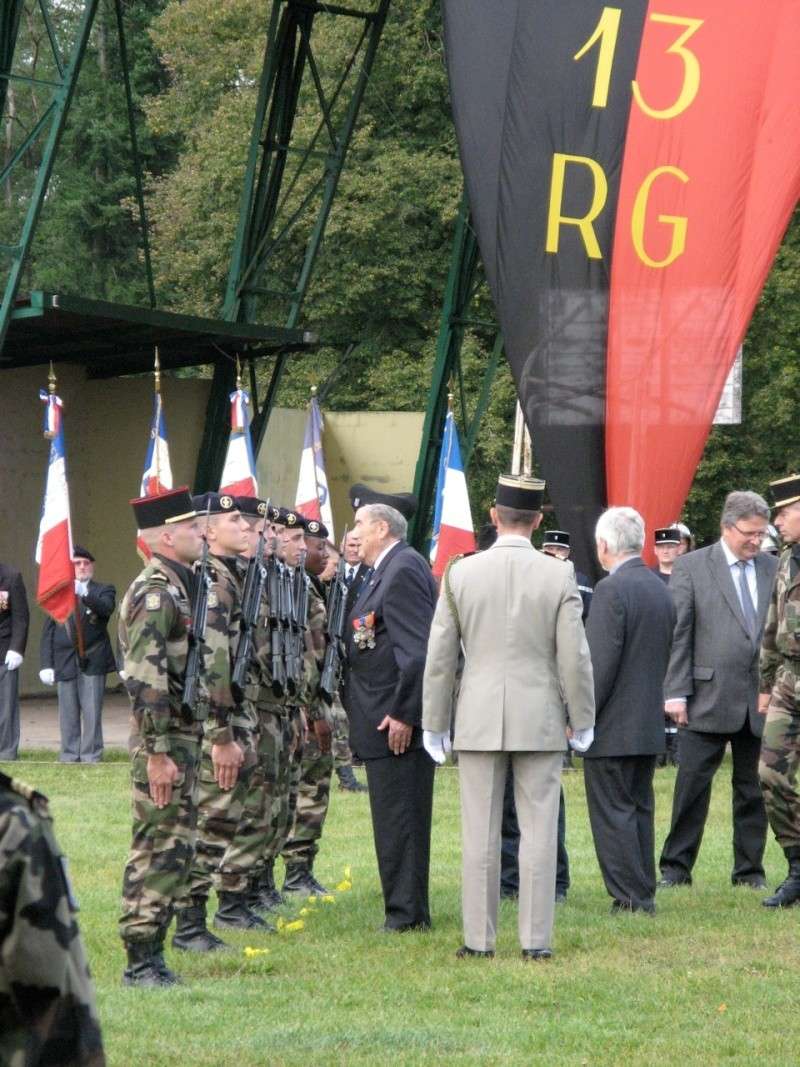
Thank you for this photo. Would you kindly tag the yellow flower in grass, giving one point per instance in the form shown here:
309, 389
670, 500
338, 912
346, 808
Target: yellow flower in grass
303, 911
344, 887
347, 875
293, 926
251, 953
329, 898
280, 923
312, 899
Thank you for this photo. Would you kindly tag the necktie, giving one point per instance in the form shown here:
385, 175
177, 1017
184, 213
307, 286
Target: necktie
747, 601
350, 575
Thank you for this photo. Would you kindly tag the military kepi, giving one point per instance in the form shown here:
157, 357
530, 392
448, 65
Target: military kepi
785, 491
164, 509
668, 535
361, 495
556, 537
520, 491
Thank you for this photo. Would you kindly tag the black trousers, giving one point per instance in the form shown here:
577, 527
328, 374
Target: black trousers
700, 755
619, 795
509, 843
401, 803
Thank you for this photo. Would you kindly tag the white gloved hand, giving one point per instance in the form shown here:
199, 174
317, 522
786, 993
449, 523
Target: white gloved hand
581, 739
47, 676
437, 745
81, 588
13, 660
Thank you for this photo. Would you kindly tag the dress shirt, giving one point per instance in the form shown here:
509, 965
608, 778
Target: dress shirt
750, 573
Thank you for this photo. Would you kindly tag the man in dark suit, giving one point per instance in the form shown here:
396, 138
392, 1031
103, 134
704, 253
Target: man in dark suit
355, 571
721, 595
387, 637
630, 634
13, 639
81, 678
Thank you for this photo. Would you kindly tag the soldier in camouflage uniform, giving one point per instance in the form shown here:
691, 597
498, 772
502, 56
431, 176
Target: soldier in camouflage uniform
220, 809
780, 693
154, 622
281, 724
47, 1007
314, 787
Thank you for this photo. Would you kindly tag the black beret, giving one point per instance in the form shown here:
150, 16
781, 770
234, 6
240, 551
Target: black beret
316, 528
520, 491
784, 491
79, 552
166, 508
285, 517
405, 503
251, 505
556, 537
215, 503
669, 535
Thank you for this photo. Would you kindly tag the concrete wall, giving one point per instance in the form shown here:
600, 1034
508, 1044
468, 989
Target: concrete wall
106, 425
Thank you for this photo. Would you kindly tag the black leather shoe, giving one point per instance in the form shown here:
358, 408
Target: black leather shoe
465, 951
191, 932
670, 881
788, 892
146, 967
536, 954
756, 882
300, 881
561, 896
625, 906
234, 914
404, 928
348, 781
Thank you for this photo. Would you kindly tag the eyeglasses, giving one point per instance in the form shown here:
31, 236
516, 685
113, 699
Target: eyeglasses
751, 535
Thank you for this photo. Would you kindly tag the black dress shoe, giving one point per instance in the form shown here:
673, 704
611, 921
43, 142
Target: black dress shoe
465, 951
756, 882
627, 906
561, 896
670, 881
536, 954
403, 928
788, 892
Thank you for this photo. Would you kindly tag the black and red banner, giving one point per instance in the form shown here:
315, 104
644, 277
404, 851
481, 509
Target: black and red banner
630, 170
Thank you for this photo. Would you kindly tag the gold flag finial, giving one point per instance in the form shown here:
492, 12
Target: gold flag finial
157, 372
51, 379
313, 391
238, 372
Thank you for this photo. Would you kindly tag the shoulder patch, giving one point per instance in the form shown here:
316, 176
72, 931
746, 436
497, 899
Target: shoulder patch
213, 598
152, 601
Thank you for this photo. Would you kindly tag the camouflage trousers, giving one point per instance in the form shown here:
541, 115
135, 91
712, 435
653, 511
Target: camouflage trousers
221, 858
256, 828
778, 766
162, 848
313, 796
290, 755
342, 756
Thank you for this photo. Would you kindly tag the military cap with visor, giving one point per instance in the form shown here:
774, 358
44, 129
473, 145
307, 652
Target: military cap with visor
668, 535
164, 509
784, 491
361, 495
520, 491
556, 537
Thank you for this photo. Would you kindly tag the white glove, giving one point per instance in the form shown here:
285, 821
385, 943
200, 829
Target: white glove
437, 745
81, 588
581, 739
13, 660
47, 676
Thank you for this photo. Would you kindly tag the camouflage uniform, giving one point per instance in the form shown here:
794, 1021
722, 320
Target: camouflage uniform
153, 638
780, 676
342, 756
47, 1006
316, 767
220, 810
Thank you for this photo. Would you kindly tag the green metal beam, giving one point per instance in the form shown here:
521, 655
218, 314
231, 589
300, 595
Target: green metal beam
56, 114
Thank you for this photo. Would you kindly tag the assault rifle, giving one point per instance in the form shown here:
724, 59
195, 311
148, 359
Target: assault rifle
299, 623
337, 607
197, 628
277, 624
252, 592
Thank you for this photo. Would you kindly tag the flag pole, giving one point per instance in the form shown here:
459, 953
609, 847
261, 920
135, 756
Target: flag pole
157, 390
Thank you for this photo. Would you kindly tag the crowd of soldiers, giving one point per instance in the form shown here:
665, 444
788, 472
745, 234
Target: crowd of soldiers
231, 667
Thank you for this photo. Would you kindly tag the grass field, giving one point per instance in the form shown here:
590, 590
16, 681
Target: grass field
712, 979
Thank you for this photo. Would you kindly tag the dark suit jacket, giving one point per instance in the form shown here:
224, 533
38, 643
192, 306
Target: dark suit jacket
387, 679
714, 663
59, 646
13, 612
629, 631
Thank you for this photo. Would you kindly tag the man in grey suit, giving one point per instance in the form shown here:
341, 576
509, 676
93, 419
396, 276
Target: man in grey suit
630, 635
721, 596
517, 614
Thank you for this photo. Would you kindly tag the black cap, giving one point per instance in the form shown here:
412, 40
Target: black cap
285, 517
214, 503
166, 508
668, 535
251, 505
79, 552
556, 537
315, 528
784, 491
520, 491
405, 503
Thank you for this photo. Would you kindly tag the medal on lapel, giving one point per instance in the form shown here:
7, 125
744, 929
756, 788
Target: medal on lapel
4, 598
364, 627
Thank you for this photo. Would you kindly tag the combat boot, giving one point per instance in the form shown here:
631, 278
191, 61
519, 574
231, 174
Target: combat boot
264, 895
788, 892
191, 932
348, 781
146, 966
299, 881
233, 913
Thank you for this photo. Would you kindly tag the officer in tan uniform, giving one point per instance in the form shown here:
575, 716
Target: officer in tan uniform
517, 614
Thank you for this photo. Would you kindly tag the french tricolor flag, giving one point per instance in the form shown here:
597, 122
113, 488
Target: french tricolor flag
312, 498
55, 592
239, 472
157, 476
453, 532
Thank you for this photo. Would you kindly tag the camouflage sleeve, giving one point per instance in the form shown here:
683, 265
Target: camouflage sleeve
46, 992
770, 657
314, 655
151, 616
222, 632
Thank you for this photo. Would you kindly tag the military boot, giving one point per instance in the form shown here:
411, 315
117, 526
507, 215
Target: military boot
264, 895
191, 932
233, 913
300, 881
348, 781
788, 892
146, 966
